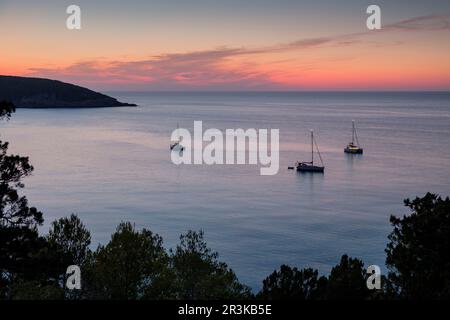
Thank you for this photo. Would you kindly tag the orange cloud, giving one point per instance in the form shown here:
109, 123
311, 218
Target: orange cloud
375, 59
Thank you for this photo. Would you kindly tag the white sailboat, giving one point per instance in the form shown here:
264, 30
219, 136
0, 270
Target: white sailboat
352, 147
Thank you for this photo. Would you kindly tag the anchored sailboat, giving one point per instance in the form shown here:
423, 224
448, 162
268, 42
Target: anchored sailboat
177, 145
310, 166
352, 147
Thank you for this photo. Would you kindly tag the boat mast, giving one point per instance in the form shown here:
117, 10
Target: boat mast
312, 147
353, 132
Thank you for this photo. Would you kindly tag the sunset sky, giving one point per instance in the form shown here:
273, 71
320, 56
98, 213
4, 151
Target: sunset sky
230, 45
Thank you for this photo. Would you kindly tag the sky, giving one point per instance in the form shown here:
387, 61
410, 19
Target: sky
228, 45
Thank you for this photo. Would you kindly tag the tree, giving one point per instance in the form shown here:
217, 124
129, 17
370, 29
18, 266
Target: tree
347, 281
36, 290
290, 283
19, 239
6, 109
418, 254
70, 236
68, 241
130, 266
14, 210
199, 274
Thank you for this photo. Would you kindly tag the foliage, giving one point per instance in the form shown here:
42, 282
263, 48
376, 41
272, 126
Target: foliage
290, 283
71, 238
35, 290
347, 280
199, 274
20, 244
6, 109
418, 254
129, 266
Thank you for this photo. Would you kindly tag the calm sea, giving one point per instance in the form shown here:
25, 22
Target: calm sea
113, 165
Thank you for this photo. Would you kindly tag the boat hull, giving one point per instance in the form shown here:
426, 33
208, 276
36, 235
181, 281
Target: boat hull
353, 150
310, 168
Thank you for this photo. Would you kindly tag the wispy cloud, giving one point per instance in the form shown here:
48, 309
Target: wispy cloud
211, 69
423, 23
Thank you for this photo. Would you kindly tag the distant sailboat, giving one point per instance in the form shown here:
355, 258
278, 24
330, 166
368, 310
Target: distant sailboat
310, 166
352, 147
177, 145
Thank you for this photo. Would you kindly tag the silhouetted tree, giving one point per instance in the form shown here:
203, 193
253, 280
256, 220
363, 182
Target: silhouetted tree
199, 274
36, 290
293, 284
14, 210
6, 109
347, 280
128, 266
20, 244
69, 241
418, 254
70, 236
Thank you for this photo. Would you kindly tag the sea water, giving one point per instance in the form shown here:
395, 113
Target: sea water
111, 165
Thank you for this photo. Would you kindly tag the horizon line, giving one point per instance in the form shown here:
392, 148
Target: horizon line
280, 91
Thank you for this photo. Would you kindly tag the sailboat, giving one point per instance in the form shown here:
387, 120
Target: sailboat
352, 147
310, 166
177, 146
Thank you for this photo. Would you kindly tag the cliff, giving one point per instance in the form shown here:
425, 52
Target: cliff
46, 93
